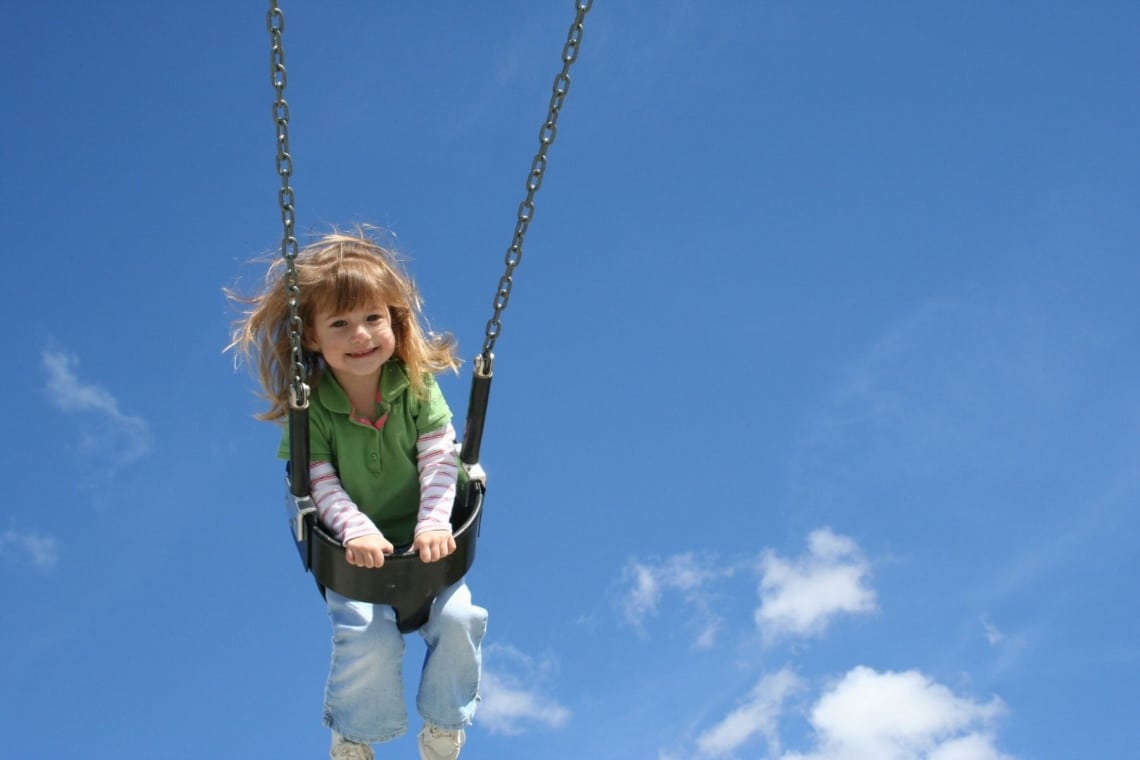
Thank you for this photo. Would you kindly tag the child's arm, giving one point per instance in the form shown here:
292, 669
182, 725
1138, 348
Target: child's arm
435, 458
364, 544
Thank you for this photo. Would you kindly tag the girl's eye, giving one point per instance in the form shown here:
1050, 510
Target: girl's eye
338, 323
376, 317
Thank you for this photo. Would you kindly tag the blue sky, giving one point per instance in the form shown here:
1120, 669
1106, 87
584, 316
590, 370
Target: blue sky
815, 421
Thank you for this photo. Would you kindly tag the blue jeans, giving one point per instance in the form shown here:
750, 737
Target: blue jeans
364, 698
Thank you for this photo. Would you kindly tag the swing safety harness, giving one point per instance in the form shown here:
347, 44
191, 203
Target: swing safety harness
404, 581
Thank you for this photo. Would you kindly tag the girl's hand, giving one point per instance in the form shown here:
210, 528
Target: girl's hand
434, 545
368, 551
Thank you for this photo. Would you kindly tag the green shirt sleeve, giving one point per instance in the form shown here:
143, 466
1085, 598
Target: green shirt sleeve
433, 410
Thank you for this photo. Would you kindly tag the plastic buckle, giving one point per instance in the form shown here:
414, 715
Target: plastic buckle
297, 508
476, 472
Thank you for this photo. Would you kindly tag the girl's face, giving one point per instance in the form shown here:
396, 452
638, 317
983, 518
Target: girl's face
354, 343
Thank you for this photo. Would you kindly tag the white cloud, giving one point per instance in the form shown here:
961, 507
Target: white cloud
41, 551
759, 714
869, 715
647, 582
512, 696
116, 439
801, 597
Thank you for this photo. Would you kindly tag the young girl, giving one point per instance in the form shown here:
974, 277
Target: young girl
383, 472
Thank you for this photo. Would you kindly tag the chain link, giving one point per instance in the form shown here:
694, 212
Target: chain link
275, 22
546, 136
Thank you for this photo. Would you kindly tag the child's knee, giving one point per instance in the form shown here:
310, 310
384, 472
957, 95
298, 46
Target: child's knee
455, 615
466, 618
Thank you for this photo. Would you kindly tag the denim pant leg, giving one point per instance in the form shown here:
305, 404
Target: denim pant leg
364, 698
449, 684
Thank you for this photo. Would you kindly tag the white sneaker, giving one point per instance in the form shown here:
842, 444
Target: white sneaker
440, 744
343, 749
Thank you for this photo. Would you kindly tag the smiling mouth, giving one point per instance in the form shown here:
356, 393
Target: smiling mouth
362, 353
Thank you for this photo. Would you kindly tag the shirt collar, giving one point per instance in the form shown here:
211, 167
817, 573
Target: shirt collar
393, 382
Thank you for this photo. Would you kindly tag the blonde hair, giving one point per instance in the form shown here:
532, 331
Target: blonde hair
337, 273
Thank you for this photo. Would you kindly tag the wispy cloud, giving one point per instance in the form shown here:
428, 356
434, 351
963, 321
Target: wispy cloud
759, 714
993, 635
513, 699
112, 438
801, 597
646, 582
41, 551
868, 715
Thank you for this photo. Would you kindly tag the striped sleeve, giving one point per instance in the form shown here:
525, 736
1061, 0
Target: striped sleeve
337, 512
439, 470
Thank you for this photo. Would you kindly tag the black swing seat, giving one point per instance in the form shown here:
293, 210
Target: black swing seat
405, 582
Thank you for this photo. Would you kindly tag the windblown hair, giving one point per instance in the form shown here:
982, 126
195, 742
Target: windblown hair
337, 273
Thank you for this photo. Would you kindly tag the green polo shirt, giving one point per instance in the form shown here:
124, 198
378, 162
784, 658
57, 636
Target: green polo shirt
377, 468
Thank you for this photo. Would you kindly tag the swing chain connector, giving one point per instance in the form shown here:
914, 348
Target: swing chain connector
299, 396
484, 365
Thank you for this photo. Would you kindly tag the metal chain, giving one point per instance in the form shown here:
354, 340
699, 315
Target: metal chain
546, 137
275, 22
